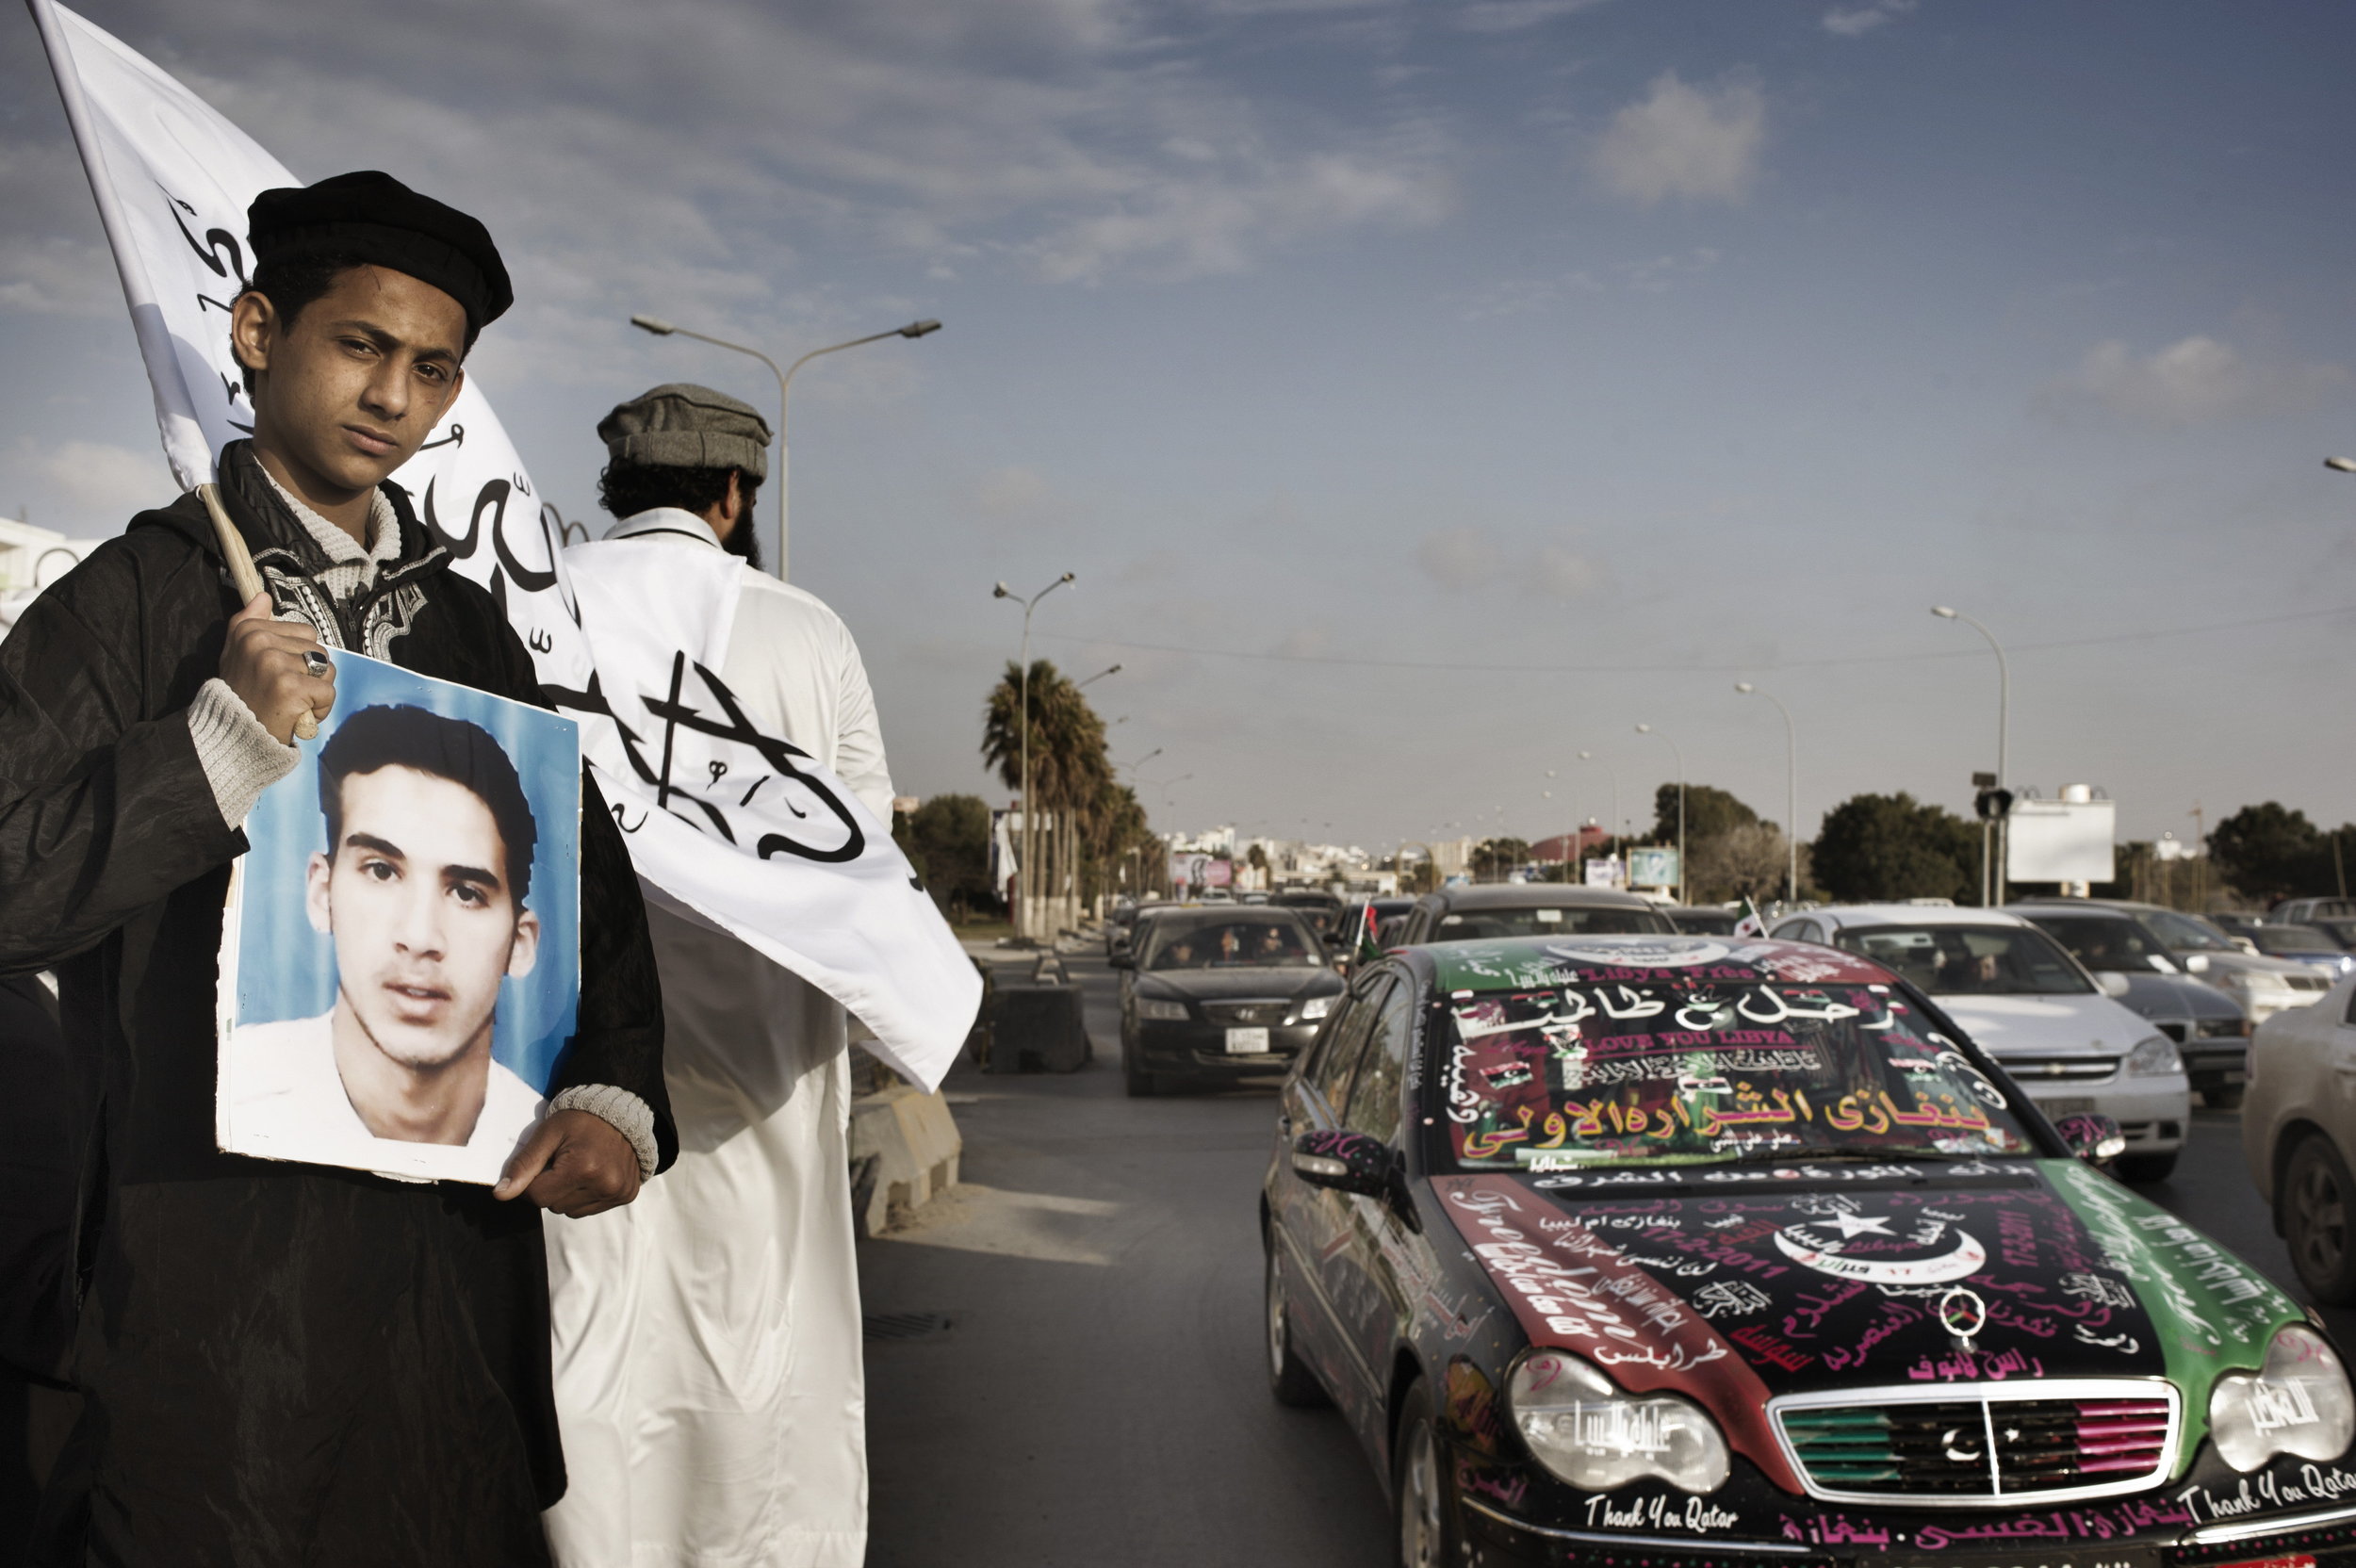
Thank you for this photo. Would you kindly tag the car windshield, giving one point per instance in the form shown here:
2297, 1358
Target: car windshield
1679, 1072
2184, 933
2100, 941
1258, 939
1466, 925
1969, 961
2292, 938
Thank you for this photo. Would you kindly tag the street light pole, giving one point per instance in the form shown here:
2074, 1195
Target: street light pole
661, 328
2004, 725
1025, 878
1680, 755
1791, 789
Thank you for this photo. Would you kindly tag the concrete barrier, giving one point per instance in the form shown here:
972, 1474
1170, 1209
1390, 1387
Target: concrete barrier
904, 1154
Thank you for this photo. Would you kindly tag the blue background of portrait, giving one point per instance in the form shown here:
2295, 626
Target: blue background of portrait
287, 969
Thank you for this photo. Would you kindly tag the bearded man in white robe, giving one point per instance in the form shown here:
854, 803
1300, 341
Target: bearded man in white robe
707, 1361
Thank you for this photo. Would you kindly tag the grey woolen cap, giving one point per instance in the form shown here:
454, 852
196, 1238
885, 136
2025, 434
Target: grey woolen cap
681, 425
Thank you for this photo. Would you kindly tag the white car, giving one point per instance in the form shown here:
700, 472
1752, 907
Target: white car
2056, 1030
2298, 1133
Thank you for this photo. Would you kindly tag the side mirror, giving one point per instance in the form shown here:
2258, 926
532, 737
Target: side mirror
2092, 1138
1123, 959
1346, 1162
2113, 982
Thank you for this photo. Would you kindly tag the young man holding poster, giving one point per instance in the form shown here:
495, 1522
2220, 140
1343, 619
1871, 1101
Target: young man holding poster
284, 1363
708, 1374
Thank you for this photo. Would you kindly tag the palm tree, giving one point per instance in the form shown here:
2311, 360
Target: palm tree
1068, 769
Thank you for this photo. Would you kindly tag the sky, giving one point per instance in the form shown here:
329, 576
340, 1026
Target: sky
1422, 392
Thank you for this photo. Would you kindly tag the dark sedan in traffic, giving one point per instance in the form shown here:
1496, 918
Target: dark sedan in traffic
1211, 995
1680, 1252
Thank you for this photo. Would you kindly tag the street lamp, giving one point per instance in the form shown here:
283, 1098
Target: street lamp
661, 328
2344, 465
1097, 677
1680, 755
1023, 872
1790, 788
1614, 773
1995, 870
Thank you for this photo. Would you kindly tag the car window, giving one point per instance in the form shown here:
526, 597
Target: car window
1374, 1103
1339, 1047
2101, 941
1969, 960
2293, 938
2351, 1008
1256, 938
1799, 931
1694, 1071
2184, 932
1477, 926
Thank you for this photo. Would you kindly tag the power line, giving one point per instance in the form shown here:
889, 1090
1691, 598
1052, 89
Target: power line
1752, 665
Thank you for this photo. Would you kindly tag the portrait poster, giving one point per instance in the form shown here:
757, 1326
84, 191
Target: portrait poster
400, 962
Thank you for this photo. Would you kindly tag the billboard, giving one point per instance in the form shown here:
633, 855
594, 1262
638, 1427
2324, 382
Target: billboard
1606, 873
2060, 840
1652, 866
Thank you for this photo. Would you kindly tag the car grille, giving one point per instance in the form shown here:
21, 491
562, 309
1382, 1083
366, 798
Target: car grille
1964, 1445
1246, 1012
2307, 982
2219, 1028
2174, 1029
2031, 1070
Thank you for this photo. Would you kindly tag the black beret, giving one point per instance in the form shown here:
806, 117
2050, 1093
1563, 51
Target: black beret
379, 221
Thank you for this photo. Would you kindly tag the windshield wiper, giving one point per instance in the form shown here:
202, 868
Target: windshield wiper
1809, 1156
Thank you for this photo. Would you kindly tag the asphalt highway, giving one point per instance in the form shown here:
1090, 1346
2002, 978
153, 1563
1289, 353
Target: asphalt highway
1097, 1396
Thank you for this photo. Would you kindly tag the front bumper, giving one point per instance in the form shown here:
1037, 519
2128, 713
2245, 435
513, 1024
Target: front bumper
2154, 1113
1197, 1049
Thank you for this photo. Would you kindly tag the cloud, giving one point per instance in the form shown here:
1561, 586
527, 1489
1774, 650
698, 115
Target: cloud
1855, 20
1559, 572
1513, 16
1015, 492
106, 483
1461, 557
2196, 381
1663, 273
1701, 144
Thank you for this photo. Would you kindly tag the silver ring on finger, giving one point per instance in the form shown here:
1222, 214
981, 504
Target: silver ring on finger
317, 663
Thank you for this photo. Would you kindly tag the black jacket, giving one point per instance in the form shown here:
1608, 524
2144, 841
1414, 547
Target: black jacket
281, 1362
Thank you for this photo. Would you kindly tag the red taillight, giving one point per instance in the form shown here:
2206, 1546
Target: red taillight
2293, 1559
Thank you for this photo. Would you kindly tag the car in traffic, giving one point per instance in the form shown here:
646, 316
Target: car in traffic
2263, 985
2048, 1023
1217, 995
1486, 911
2210, 1027
1320, 909
1706, 919
1363, 923
2299, 1137
1666, 1252
2306, 911
2304, 944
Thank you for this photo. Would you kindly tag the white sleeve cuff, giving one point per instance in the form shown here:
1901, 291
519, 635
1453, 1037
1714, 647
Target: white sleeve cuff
620, 1110
240, 758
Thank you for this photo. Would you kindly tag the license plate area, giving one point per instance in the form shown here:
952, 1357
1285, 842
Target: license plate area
1248, 1041
2063, 1105
2094, 1555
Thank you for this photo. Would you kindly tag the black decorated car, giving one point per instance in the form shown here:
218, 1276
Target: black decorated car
1677, 1252
1214, 994
1487, 910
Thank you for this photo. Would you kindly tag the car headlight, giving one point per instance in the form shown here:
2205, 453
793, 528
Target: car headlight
1164, 1012
1316, 1006
2298, 1403
1592, 1434
2153, 1058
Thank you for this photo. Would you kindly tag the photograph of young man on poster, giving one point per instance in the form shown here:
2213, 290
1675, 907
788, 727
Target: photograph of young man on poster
423, 888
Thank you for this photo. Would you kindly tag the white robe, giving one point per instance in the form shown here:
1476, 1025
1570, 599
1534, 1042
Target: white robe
709, 1379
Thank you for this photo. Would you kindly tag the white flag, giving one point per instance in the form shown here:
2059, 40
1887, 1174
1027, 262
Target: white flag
173, 180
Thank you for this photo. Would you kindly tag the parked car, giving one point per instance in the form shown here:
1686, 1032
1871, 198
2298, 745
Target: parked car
1486, 911
1213, 995
1665, 1250
2263, 985
2211, 1028
2306, 911
2299, 1136
2303, 944
2048, 1023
